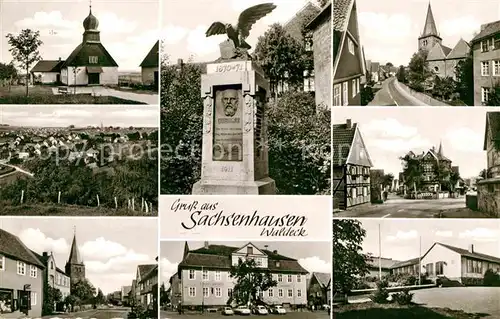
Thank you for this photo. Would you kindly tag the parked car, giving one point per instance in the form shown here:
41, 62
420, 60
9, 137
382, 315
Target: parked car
260, 310
227, 311
279, 310
242, 311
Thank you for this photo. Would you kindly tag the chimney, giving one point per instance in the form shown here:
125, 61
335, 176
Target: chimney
275, 251
205, 245
45, 254
348, 123
471, 249
59, 59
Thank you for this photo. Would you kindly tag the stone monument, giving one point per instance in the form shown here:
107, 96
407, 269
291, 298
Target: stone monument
234, 92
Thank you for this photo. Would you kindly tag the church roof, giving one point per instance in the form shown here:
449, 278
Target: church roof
487, 30
48, 66
80, 55
438, 52
430, 25
74, 255
461, 50
153, 57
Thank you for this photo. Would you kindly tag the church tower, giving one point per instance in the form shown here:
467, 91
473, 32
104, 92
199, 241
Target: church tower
90, 24
75, 268
430, 35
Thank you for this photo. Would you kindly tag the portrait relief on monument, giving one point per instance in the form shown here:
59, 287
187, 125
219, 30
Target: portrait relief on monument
228, 124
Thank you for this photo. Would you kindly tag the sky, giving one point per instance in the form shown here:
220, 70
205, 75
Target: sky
80, 116
389, 29
390, 133
129, 29
313, 256
400, 238
184, 34
109, 249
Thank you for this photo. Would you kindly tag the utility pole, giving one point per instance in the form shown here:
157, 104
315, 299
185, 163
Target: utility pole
419, 260
379, 255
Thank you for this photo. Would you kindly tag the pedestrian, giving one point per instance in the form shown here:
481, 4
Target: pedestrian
329, 310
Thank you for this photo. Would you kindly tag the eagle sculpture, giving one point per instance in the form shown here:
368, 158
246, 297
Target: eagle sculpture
241, 31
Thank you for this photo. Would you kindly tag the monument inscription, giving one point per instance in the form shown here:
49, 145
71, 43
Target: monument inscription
228, 126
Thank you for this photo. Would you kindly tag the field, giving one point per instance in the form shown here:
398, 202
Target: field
65, 210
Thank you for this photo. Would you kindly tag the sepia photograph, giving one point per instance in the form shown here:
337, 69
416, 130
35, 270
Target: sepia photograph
422, 53
79, 52
78, 161
246, 98
78, 268
416, 268
217, 279
416, 162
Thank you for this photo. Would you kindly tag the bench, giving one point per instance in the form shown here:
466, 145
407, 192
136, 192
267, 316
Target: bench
63, 90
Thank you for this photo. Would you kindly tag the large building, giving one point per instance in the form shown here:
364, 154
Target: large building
441, 59
350, 167
89, 63
149, 66
349, 66
465, 266
21, 279
486, 55
203, 276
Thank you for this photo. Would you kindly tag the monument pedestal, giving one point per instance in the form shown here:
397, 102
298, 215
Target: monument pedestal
234, 151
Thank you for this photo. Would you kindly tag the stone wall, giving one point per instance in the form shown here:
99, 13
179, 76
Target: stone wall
488, 196
426, 99
471, 201
322, 46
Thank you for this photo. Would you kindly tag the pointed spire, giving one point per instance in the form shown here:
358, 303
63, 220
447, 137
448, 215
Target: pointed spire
440, 150
186, 250
74, 254
430, 25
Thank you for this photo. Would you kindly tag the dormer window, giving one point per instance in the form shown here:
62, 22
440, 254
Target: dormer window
277, 264
93, 59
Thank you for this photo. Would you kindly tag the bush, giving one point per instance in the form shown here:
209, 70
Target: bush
381, 294
491, 278
403, 298
367, 95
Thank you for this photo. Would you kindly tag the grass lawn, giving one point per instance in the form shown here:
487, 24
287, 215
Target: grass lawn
390, 311
43, 95
65, 210
6, 179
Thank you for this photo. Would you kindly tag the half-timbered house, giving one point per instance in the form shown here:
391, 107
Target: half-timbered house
351, 167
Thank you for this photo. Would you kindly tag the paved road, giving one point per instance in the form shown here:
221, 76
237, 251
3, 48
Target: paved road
18, 169
104, 91
409, 208
290, 315
113, 313
469, 299
392, 94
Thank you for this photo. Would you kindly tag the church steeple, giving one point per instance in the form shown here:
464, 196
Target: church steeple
440, 149
430, 35
74, 254
90, 24
186, 250
75, 267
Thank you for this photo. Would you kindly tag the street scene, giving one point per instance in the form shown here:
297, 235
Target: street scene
406, 163
44, 59
78, 161
283, 48
416, 269
217, 279
418, 54
78, 268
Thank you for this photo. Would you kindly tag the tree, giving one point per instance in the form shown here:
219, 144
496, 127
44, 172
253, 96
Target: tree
389, 64
349, 262
443, 87
401, 75
464, 73
483, 174
52, 296
494, 96
83, 290
412, 172
442, 174
100, 299
282, 58
419, 73
164, 298
24, 49
250, 279
71, 301
387, 180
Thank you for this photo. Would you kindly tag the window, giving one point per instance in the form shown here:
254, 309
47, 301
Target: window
218, 276
270, 292
484, 45
424, 42
497, 44
218, 292
289, 278
429, 269
51, 265
250, 250
439, 268
229, 292
299, 293
354, 192
485, 92
93, 59
33, 271
191, 274
2, 262
280, 292
337, 101
205, 275
436, 68
299, 278
357, 86
351, 46
280, 277
290, 293
345, 93
496, 68
205, 292
258, 262
21, 268
33, 298
192, 291
353, 91
485, 68
365, 191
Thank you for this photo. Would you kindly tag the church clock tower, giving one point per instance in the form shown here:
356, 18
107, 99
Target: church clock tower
75, 268
430, 35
